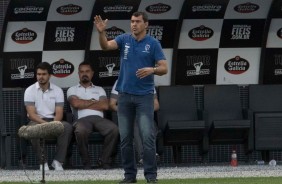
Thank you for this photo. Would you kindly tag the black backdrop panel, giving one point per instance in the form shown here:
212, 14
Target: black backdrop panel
163, 31
206, 9
106, 67
272, 73
242, 33
19, 68
196, 66
28, 10
116, 10
276, 9
70, 35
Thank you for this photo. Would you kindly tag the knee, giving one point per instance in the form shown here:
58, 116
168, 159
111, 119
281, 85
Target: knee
148, 138
125, 141
68, 128
80, 130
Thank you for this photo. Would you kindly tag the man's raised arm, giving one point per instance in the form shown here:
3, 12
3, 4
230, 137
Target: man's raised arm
101, 27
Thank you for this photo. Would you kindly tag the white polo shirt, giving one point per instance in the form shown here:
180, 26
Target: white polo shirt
114, 92
44, 102
88, 93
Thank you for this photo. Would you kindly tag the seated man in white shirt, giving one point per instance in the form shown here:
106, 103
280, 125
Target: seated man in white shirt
88, 103
44, 102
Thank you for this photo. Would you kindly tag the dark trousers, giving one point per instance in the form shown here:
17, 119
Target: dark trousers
63, 141
85, 126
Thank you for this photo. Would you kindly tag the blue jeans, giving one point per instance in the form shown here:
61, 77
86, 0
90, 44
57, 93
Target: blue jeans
139, 108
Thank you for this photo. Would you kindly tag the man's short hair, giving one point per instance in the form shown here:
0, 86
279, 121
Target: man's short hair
44, 66
143, 14
86, 63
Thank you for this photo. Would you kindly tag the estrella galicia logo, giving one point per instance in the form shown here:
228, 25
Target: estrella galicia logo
158, 8
246, 8
69, 9
236, 65
113, 32
62, 68
200, 33
24, 36
279, 33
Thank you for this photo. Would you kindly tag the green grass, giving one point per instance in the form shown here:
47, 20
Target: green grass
256, 180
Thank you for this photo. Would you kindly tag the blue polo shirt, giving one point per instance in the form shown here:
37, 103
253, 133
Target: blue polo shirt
133, 56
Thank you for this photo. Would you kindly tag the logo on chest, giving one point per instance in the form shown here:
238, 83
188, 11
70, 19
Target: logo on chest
147, 48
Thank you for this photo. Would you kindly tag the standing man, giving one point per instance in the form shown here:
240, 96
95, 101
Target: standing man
141, 57
44, 102
88, 103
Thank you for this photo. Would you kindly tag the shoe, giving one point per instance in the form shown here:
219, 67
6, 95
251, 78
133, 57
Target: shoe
57, 165
152, 181
46, 167
103, 165
128, 180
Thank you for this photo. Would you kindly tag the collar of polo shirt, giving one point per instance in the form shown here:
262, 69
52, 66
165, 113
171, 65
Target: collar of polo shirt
91, 85
50, 86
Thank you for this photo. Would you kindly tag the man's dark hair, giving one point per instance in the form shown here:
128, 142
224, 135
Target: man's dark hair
86, 63
44, 66
143, 14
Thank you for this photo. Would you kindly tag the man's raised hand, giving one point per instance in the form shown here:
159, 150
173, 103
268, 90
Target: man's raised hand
100, 24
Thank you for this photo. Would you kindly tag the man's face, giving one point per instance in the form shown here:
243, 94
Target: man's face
42, 76
85, 73
138, 25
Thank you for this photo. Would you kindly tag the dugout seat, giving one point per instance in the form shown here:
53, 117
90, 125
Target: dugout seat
265, 111
226, 119
179, 119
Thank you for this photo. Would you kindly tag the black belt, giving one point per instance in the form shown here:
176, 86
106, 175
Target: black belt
48, 119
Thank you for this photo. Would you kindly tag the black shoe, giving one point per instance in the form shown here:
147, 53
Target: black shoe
128, 180
152, 181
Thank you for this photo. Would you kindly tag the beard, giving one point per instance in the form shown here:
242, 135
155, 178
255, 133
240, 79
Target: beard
85, 79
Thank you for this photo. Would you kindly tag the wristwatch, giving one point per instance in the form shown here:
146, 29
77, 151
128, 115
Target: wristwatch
155, 69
